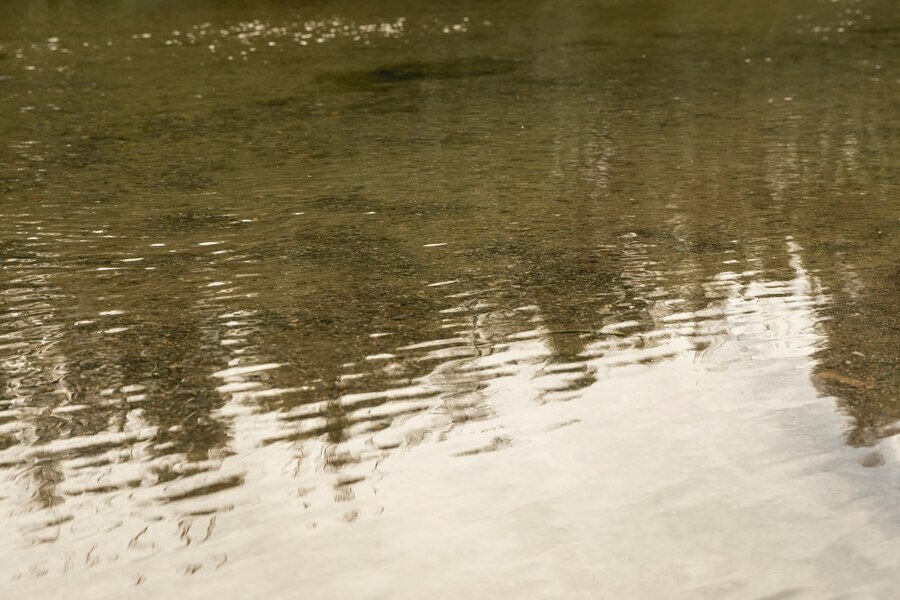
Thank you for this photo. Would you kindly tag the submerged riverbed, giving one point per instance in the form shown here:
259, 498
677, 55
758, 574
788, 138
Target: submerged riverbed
449, 300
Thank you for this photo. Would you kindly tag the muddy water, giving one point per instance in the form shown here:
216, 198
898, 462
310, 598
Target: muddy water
405, 299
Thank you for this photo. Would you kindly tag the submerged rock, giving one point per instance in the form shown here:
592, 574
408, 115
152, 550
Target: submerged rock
416, 71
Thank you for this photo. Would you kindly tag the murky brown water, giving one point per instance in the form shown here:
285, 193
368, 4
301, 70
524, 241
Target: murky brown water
449, 300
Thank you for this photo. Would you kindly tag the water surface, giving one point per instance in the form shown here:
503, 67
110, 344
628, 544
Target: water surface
400, 300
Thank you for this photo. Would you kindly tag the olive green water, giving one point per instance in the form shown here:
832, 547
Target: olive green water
449, 300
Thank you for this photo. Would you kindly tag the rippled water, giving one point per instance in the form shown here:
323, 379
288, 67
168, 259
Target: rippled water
405, 299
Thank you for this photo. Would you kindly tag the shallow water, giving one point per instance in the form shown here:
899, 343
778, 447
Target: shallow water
401, 300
